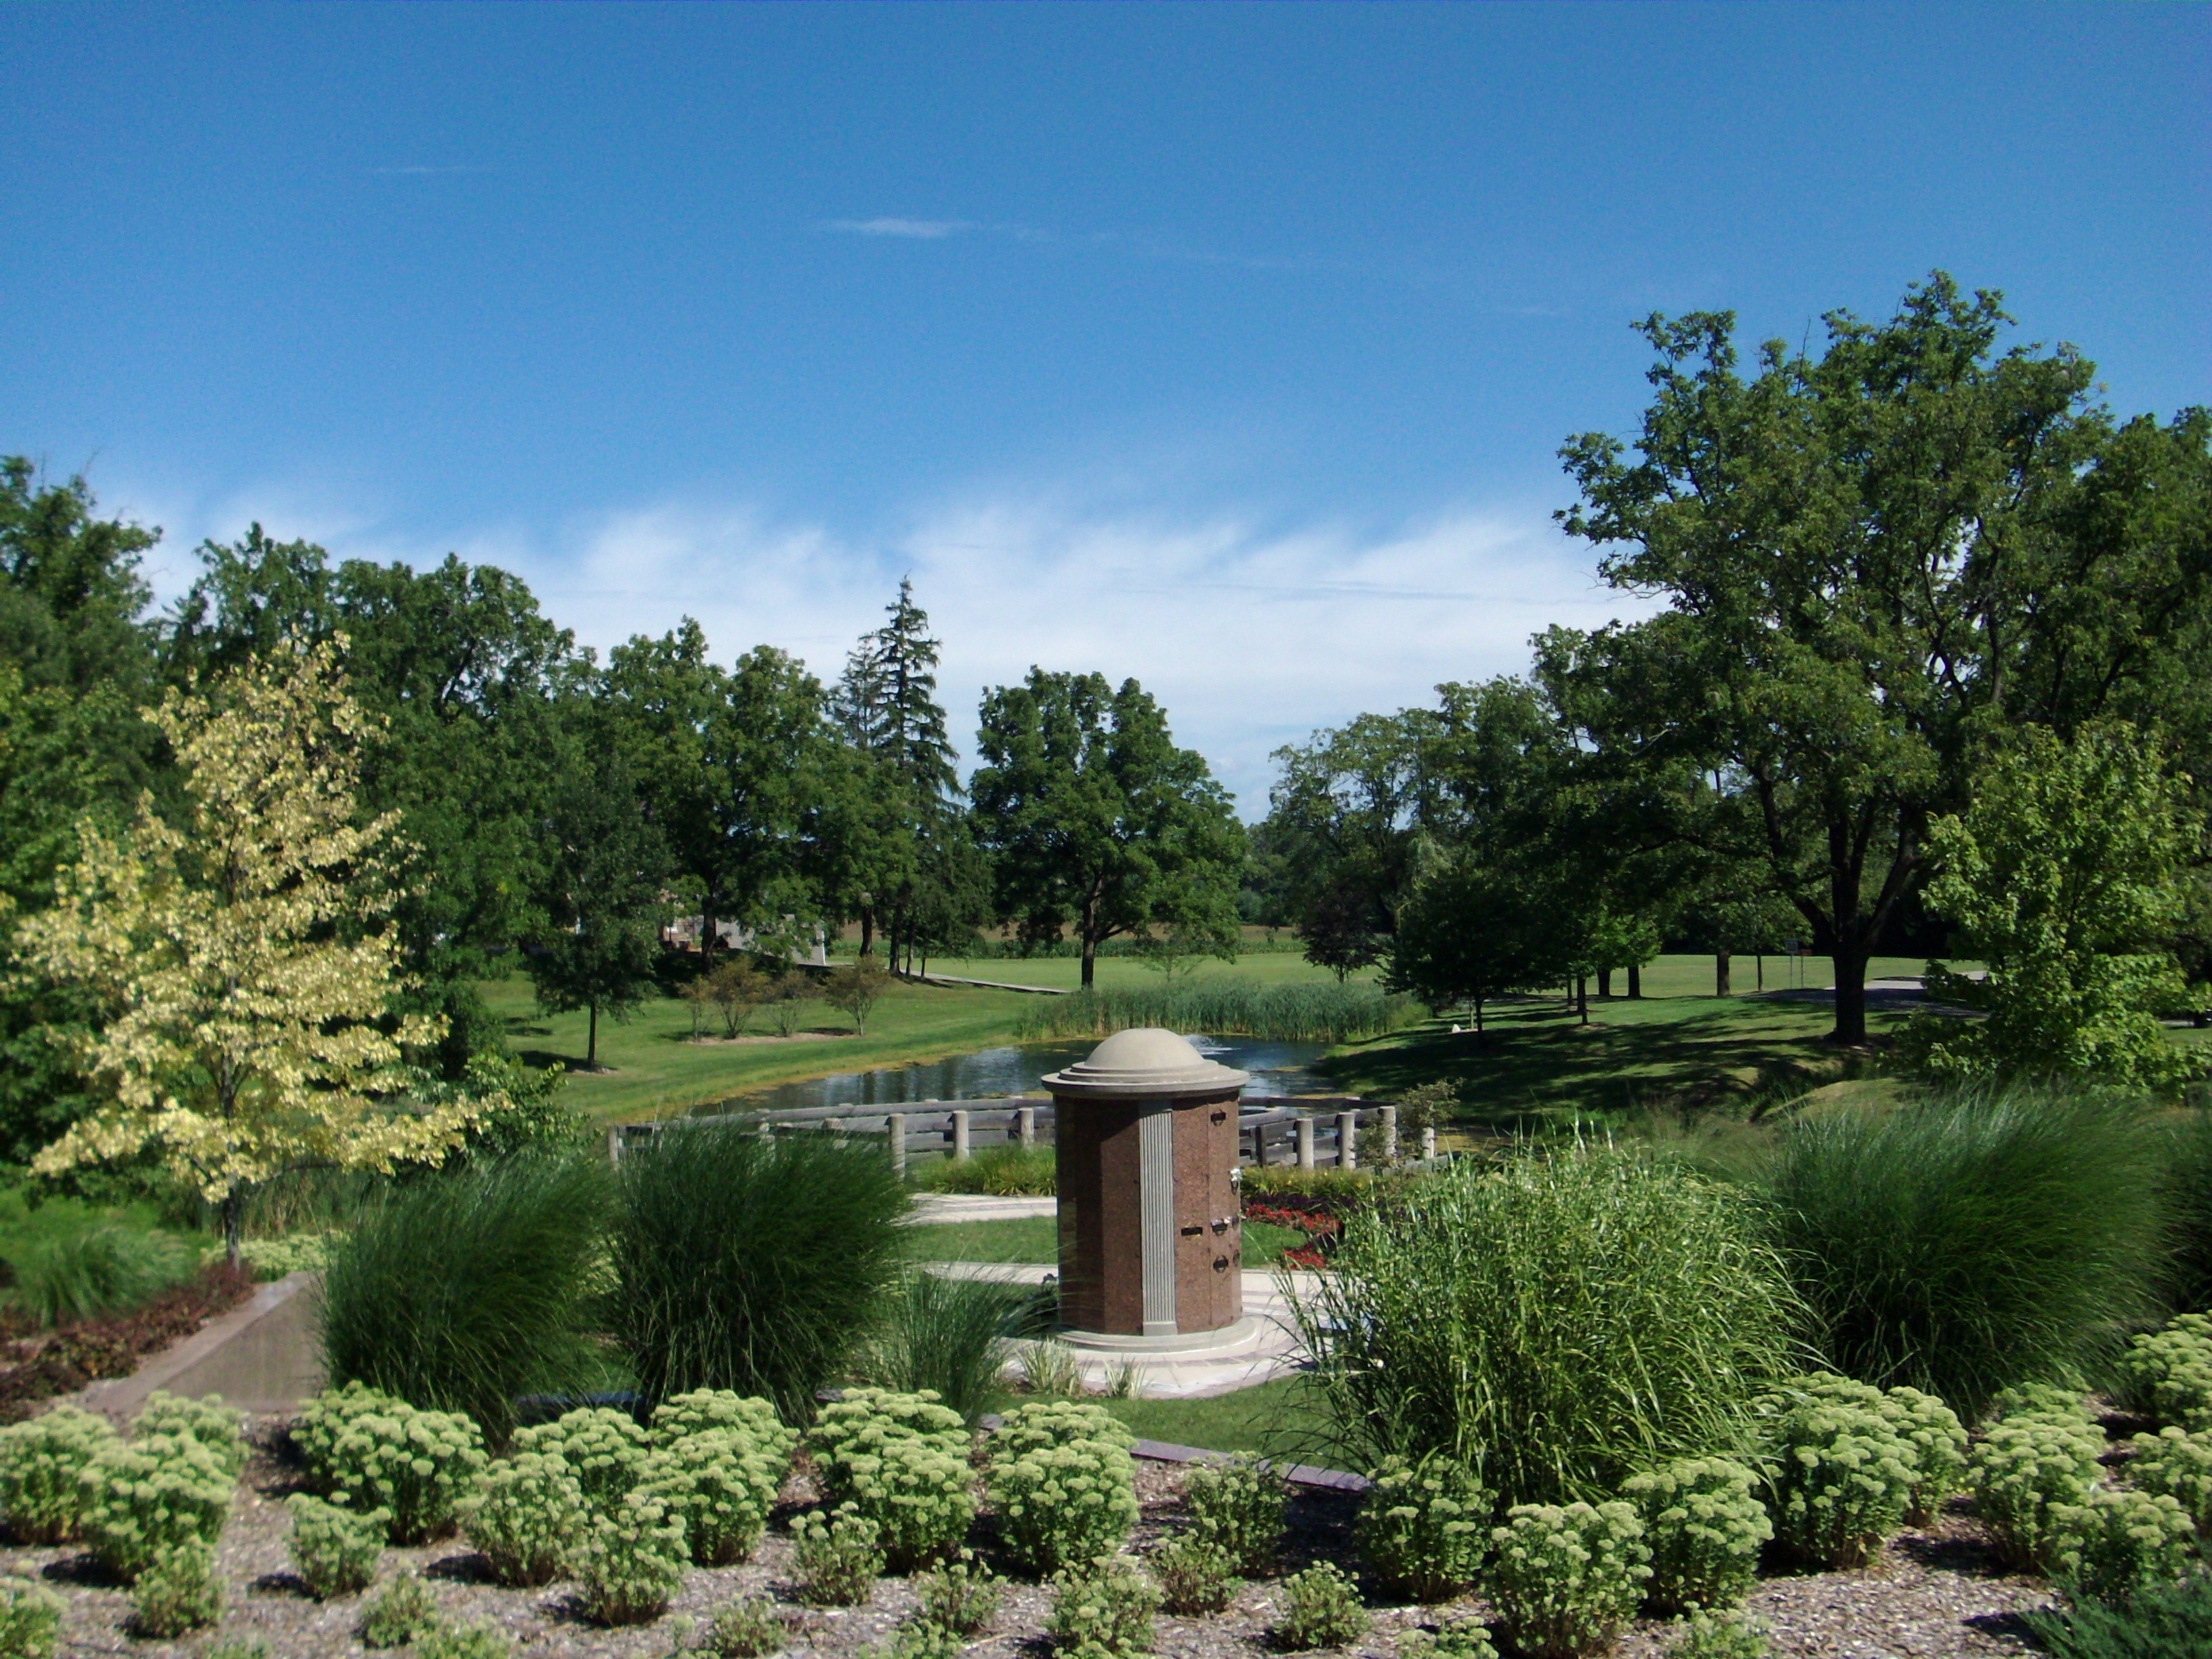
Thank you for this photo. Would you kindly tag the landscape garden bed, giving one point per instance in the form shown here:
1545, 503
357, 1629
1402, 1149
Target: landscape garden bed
36, 1365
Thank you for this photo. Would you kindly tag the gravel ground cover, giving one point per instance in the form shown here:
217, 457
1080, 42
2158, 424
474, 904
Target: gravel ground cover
1931, 1595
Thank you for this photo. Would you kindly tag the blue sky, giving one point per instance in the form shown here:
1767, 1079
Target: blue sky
1227, 347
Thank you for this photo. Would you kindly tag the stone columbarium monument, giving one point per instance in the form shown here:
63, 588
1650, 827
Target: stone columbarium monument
1151, 1238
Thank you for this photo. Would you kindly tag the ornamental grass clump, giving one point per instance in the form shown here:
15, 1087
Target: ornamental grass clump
1320, 1609
1840, 1472
524, 1517
42, 1463
334, 1550
2119, 1543
1558, 1323
1195, 1575
1424, 1528
838, 1557
2178, 1464
463, 1289
30, 1620
1960, 1243
415, 1465
1061, 1502
1238, 1504
710, 1480
208, 1421
751, 1264
1563, 1580
1103, 1610
142, 1500
603, 1448
176, 1592
2169, 1371
1703, 1525
629, 1561
950, 1336
2023, 1471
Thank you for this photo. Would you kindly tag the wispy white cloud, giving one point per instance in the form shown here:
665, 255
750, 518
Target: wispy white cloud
1252, 636
924, 230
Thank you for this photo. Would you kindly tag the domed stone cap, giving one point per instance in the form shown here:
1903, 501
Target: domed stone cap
1150, 1062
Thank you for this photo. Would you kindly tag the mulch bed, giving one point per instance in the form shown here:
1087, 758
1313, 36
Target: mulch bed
35, 1365
1931, 1595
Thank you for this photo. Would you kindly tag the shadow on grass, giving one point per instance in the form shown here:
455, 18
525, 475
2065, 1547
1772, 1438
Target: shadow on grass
1536, 1065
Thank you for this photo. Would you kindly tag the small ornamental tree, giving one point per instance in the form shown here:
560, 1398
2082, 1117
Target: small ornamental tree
244, 952
855, 989
2063, 875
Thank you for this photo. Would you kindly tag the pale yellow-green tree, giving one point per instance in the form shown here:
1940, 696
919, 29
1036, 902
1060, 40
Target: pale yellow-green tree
245, 953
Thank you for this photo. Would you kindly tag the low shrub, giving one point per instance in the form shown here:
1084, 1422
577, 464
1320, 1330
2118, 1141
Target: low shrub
2119, 1543
1238, 1504
1102, 1610
745, 1627
1194, 1575
1320, 1609
708, 1479
1058, 1422
2169, 1372
1938, 1440
1457, 1638
2022, 1470
2043, 1403
402, 1612
208, 1421
917, 1639
415, 1465
722, 1408
1556, 1323
1009, 1172
1964, 1243
2177, 1464
525, 1515
30, 1620
466, 1288
334, 1550
1719, 1636
838, 1557
951, 1337
65, 1278
235, 1647
142, 1500
176, 1592
1424, 1528
629, 1559
470, 1642
899, 1460
603, 1448
322, 1419
42, 1463
1059, 1506
2164, 1621
1563, 1580
961, 1596
751, 1264
1840, 1473
1703, 1525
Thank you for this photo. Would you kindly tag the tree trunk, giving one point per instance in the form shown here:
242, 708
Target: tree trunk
706, 932
591, 1042
1090, 958
1635, 981
233, 1223
1851, 994
867, 928
1760, 969
1478, 1017
1581, 997
1720, 973
1604, 984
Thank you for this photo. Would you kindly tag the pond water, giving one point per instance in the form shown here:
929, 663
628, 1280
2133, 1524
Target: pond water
1279, 1070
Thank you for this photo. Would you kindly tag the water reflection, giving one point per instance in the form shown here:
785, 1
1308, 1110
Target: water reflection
1279, 1070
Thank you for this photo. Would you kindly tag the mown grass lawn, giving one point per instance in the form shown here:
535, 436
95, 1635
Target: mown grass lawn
1282, 1418
653, 1068
1065, 972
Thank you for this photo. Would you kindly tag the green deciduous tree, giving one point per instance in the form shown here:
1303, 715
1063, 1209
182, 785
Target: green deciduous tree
2063, 876
1098, 822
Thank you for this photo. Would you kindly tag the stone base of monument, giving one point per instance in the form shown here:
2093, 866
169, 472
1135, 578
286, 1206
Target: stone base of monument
1246, 1332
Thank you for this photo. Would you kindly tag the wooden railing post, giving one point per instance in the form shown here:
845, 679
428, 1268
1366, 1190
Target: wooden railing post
959, 1137
1305, 1143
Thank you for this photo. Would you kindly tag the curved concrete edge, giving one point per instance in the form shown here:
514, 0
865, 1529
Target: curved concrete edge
260, 1356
